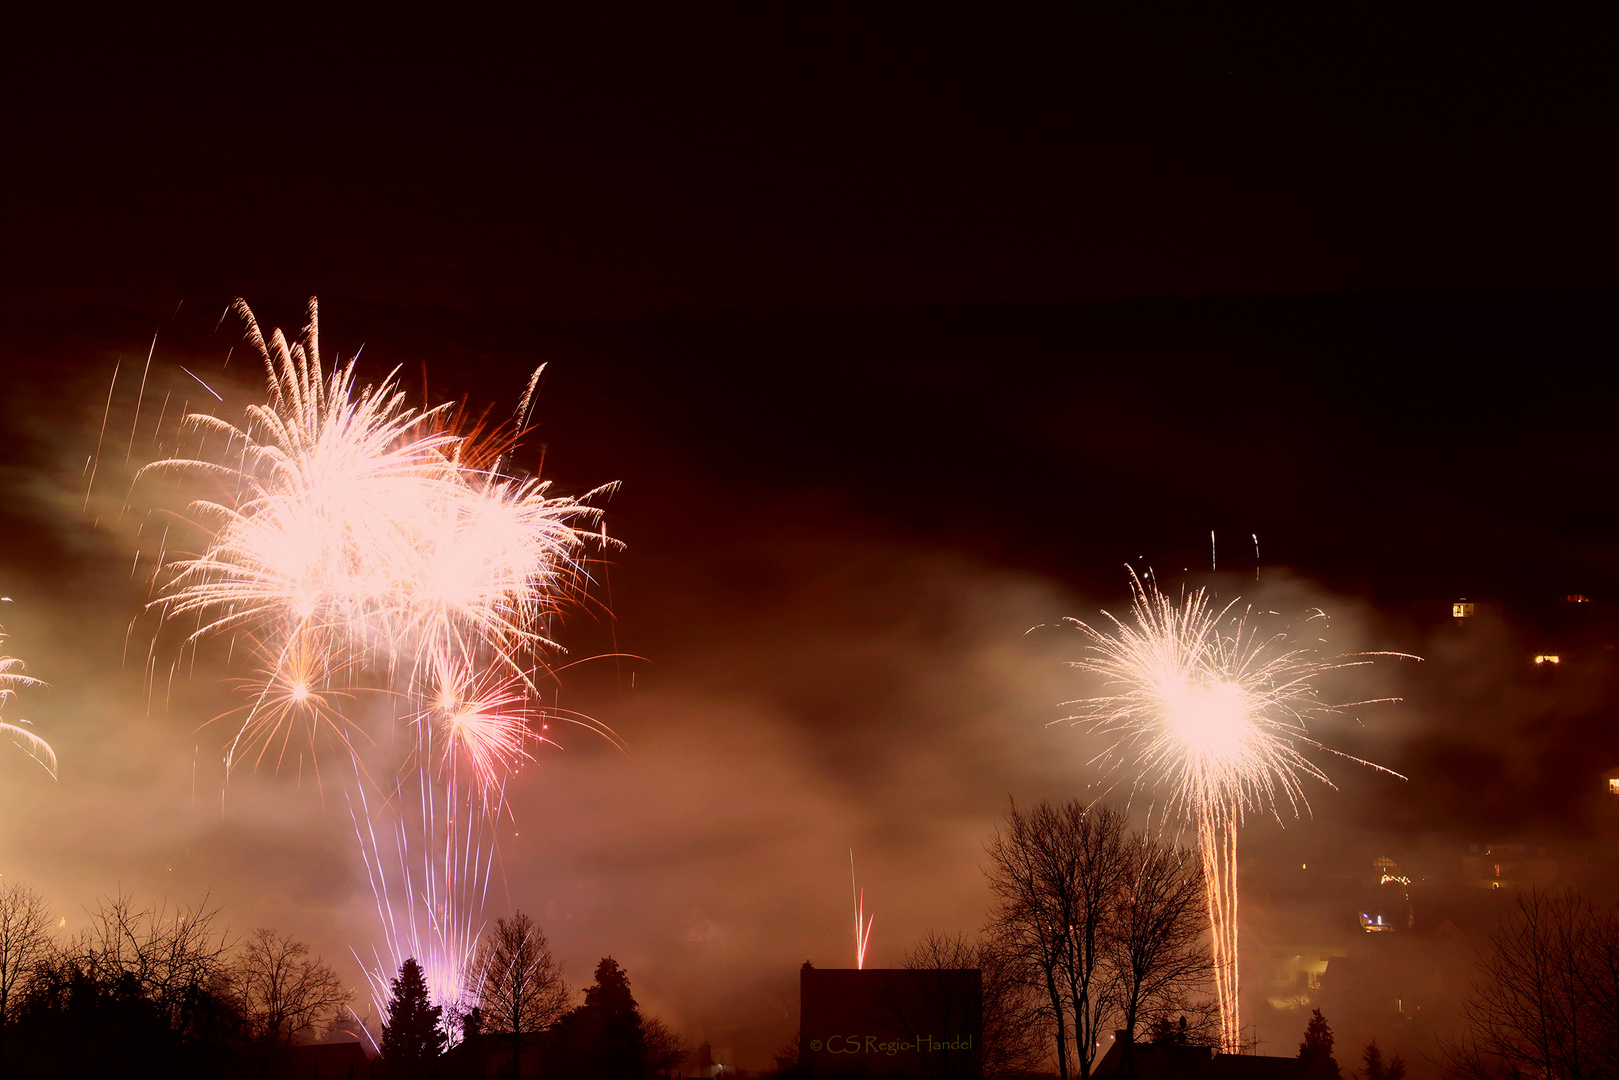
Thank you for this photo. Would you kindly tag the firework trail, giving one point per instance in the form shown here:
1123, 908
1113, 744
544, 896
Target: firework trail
11, 680
396, 586
1213, 713
862, 924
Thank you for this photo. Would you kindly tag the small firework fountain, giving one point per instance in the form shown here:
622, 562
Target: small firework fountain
396, 585
1216, 715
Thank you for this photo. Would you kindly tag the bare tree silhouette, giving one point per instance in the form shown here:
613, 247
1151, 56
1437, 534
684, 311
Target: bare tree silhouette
520, 987
25, 940
1155, 940
1545, 1001
1056, 873
284, 992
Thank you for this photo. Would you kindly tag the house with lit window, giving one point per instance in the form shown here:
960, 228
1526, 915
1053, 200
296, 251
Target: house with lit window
1508, 866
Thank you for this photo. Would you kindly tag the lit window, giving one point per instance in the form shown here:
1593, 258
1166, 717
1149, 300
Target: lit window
1613, 785
1462, 609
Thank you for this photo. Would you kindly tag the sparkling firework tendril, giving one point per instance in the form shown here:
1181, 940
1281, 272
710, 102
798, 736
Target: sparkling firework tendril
12, 679
1217, 718
368, 548
292, 694
481, 723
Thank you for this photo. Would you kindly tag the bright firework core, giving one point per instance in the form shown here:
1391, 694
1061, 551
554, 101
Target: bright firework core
1211, 721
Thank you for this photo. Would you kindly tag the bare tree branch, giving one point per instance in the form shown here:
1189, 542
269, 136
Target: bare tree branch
1017, 1031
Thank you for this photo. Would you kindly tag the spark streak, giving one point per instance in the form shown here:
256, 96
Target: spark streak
96, 457
204, 385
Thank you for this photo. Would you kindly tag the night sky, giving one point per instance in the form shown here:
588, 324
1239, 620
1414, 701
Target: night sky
905, 332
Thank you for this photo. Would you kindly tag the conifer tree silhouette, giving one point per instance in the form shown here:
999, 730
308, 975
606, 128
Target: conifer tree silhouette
413, 1037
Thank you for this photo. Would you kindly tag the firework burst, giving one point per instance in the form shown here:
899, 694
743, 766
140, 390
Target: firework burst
398, 585
293, 694
1209, 710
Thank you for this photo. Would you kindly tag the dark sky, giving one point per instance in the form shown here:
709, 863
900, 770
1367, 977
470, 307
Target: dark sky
621, 164
905, 331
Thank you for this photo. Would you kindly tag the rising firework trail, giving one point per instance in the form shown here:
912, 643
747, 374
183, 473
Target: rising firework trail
1215, 715
862, 922
398, 587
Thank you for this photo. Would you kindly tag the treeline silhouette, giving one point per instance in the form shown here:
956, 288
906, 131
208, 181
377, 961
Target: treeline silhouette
521, 1024
154, 991
166, 992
